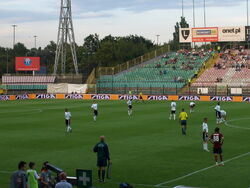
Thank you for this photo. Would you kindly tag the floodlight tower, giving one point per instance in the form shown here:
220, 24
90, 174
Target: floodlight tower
65, 33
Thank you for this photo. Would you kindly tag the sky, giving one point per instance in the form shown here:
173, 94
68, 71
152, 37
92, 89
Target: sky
116, 17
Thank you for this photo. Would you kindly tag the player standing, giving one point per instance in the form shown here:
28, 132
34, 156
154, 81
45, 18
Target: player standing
103, 158
223, 115
94, 106
217, 140
205, 134
173, 110
192, 105
218, 113
67, 115
130, 107
183, 120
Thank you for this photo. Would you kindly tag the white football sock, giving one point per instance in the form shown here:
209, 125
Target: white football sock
174, 116
94, 118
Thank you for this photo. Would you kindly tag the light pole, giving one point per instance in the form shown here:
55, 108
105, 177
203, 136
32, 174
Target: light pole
193, 14
182, 8
7, 61
14, 35
35, 40
205, 21
157, 39
247, 14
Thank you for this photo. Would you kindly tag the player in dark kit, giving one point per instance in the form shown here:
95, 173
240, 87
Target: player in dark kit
103, 158
217, 140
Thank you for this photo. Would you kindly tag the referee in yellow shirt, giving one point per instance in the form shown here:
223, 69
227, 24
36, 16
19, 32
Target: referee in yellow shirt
183, 120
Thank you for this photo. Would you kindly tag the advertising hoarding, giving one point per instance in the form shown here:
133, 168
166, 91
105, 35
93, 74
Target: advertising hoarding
208, 34
27, 63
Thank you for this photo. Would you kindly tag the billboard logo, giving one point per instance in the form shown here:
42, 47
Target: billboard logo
128, 97
216, 98
233, 30
74, 96
246, 99
22, 97
45, 96
159, 98
100, 97
185, 34
189, 98
4, 97
27, 62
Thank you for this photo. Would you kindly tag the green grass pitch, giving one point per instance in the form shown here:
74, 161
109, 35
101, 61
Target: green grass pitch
147, 149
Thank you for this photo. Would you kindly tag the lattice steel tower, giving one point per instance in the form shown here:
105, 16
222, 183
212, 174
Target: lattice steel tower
65, 33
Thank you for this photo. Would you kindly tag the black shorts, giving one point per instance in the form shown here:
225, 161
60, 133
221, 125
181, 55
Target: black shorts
95, 113
192, 106
173, 111
204, 137
217, 151
67, 122
218, 114
102, 162
130, 107
184, 122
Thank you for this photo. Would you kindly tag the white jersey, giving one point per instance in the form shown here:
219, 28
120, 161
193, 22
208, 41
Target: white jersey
173, 106
217, 108
192, 104
129, 103
223, 112
205, 127
67, 115
94, 106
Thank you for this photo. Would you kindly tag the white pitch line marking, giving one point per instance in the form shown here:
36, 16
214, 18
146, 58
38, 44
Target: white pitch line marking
237, 127
201, 170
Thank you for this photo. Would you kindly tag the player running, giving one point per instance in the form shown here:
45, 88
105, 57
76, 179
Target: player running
130, 107
183, 120
67, 115
192, 105
223, 115
94, 106
217, 140
141, 97
173, 110
205, 134
218, 113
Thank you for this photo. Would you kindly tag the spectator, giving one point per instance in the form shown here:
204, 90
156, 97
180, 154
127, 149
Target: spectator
63, 183
45, 180
32, 176
19, 178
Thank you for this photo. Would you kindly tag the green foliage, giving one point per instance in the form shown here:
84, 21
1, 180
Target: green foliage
174, 44
109, 51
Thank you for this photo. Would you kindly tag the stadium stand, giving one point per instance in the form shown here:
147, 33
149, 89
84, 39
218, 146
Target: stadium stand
27, 83
232, 69
166, 74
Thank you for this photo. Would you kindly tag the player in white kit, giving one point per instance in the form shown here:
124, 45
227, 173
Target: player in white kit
218, 113
67, 115
173, 110
94, 106
192, 105
223, 115
205, 134
130, 107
